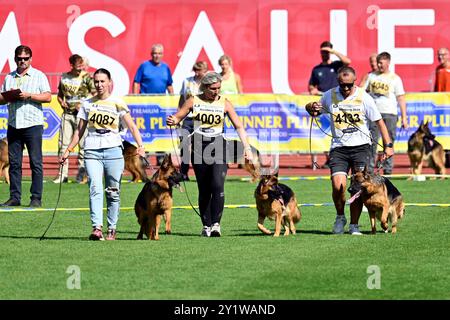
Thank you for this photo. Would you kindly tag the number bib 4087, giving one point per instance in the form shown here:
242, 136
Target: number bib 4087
103, 120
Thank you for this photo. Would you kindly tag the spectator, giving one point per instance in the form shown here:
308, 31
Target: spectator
386, 88
350, 145
209, 148
101, 116
324, 75
373, 67
190, 88
231, 81
442, 82
153, 76
25, 124
74, 87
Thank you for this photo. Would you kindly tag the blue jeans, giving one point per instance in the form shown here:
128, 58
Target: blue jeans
31, 138
108, 162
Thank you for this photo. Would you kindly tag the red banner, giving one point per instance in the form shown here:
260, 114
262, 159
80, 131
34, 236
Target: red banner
274, 44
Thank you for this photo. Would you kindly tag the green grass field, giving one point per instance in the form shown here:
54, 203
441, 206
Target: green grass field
242, 264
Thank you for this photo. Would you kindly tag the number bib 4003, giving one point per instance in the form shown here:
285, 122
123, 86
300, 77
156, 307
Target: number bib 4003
208, 117
103, 120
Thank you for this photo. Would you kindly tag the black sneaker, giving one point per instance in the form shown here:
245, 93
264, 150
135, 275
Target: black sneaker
11, 203
35, 203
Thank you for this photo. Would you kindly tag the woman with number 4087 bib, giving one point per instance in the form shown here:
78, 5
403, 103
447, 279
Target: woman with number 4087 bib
208, 151
103, 116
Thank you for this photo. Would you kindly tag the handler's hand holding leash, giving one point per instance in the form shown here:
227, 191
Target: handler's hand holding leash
171, 121
248, 155
314, 108
65, 156
388, 151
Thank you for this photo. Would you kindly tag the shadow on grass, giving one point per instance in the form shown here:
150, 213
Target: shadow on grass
299, 232
45, 238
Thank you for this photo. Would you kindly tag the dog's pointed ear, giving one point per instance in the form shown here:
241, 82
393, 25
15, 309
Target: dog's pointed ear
365, 169
166, 161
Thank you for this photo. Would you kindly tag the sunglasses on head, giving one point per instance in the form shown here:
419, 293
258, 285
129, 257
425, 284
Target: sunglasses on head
23, 58
346, 86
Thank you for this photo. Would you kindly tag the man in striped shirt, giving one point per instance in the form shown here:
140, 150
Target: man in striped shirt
25, 124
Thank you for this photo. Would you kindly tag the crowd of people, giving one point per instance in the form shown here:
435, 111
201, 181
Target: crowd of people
92, 119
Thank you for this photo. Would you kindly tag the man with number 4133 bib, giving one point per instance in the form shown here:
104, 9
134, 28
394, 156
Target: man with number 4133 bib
349, 109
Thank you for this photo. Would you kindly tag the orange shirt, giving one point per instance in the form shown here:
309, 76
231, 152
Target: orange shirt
442, 82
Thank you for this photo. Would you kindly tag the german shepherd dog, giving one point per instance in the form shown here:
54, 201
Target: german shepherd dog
276, 201
4, 160
134, 163
155, 200
235, 154
422, 147
381, 198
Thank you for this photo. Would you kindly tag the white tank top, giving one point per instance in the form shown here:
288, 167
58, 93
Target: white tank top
208, 116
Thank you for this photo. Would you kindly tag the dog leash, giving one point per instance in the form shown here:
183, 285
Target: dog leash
61, 168
179, 161
315, 165
349, 123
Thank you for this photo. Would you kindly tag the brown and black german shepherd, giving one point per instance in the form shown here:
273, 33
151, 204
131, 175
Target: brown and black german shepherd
4, 160
134, 163
155, 200
422, 147
276, 201
381, 198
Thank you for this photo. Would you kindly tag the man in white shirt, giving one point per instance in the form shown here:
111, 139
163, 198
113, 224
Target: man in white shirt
386, 88
349, 109
25, 125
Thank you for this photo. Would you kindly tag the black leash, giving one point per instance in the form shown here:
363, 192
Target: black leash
315, 165
184, 182
57, 203
61, 168
347, 122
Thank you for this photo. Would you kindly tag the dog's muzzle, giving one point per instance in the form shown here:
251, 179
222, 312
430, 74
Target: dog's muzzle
175, 178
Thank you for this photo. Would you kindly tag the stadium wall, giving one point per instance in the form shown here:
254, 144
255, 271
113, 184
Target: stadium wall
274, 44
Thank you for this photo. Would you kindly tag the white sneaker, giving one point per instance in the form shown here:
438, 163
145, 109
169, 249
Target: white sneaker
353, 229
215, 230
206, 231
339, 224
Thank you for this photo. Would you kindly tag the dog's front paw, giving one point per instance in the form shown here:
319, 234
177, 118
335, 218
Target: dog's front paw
168, 231
264, 229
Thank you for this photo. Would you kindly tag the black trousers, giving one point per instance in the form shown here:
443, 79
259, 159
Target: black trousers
210, 167
31, 138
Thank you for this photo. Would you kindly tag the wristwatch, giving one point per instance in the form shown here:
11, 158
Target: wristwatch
389, 145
